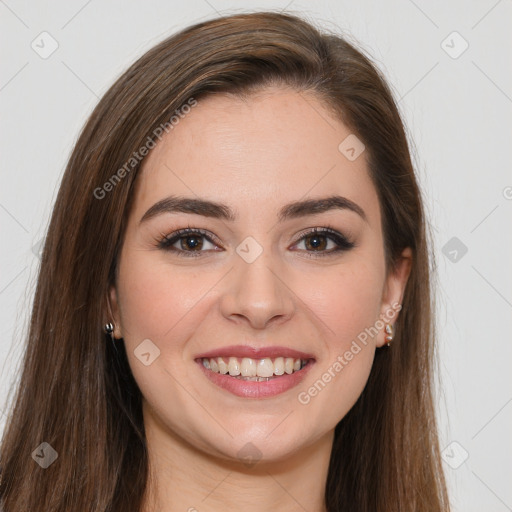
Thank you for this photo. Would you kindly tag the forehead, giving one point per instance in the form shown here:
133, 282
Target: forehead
255, 154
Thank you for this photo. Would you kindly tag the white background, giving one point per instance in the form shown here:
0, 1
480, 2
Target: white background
458, 116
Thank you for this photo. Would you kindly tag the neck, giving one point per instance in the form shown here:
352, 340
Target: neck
183, 478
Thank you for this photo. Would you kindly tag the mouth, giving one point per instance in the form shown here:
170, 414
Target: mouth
254, 370
255, 377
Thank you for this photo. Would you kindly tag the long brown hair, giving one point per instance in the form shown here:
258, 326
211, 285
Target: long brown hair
77, 392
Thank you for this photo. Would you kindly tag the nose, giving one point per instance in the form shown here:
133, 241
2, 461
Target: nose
257, 294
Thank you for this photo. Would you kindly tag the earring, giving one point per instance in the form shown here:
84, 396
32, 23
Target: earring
109, 329
390, 333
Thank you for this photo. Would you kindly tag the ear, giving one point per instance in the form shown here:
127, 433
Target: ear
393, 292
113, 312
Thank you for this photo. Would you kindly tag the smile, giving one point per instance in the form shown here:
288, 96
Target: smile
251, 372
256, 370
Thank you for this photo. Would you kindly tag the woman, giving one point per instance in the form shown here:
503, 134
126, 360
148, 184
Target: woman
233, 309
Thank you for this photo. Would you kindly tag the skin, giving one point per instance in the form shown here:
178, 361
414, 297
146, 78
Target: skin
254, 155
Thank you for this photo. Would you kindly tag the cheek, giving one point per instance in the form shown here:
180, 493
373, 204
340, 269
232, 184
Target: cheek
348, 304
165, 306
346, 301
156, 303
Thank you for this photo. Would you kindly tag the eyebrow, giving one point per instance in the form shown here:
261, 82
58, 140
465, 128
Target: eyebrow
297, 209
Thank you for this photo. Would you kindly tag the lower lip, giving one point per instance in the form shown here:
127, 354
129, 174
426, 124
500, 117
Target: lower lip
253, 389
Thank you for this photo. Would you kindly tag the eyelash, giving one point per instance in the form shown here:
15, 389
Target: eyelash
167, 241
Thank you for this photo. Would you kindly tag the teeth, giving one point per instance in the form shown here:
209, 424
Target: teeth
265, 368
233, 366
254, 379
279, 366
223, 367
254, 369
248, 367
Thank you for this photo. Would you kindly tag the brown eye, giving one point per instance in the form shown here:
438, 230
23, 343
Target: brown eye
324, 242
188, 242
316, 242
192, 242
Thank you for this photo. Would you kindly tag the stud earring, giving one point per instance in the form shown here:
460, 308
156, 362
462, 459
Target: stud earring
390, 333
109, 329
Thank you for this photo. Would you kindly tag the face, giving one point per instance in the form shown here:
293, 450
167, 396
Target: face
267, 287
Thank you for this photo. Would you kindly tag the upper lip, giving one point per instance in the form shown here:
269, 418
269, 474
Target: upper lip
255, 352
